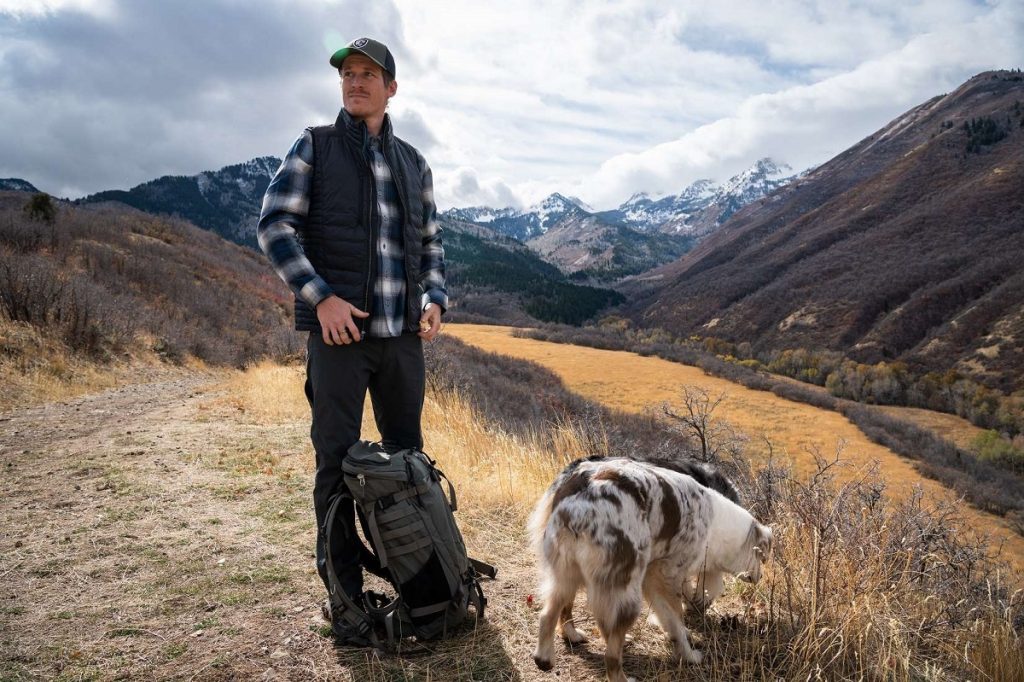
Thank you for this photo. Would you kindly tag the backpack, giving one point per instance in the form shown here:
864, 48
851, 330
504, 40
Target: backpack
416, 546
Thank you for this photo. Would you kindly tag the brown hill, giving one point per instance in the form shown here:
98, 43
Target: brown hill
107, 281
906, 246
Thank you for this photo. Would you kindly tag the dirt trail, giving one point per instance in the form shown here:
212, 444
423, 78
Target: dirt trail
157, 532
124, 554
631, 382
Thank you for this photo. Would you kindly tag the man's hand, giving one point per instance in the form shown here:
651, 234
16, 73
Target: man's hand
335, 315
430, 322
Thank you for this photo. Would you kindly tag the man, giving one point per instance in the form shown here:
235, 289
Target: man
349, 223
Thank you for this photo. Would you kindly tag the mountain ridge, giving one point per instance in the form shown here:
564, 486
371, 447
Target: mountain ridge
901, 248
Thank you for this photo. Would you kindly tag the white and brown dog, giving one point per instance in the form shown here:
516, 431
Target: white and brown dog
629, 530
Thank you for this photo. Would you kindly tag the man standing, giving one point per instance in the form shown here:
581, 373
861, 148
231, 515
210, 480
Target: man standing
349, 223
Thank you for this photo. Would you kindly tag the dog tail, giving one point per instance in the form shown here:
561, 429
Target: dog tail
538, 522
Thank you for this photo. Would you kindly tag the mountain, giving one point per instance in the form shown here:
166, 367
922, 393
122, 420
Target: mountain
495, 278
642, 212
226, 201
567, 233
17, 185
640, 234
589, 248
905, 247
523, 225
110, 281
700, 208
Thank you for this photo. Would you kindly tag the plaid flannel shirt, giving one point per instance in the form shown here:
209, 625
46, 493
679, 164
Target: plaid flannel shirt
285, 207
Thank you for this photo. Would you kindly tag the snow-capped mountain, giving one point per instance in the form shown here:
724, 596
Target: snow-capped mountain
527, 224
226, 201
694, 212
642, 212
704, 205
612, 244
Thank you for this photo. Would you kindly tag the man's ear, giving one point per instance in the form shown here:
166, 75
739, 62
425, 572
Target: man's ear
393, 88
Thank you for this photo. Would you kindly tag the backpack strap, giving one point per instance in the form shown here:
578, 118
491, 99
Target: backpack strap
452, 502
387, 612
483, 569
353, 612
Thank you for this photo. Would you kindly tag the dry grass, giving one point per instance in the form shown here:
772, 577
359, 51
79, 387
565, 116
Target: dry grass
955, 429
36, 369
184, 553
268, 393
797, 431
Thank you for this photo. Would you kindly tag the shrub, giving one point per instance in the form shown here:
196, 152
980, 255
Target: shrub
40, 208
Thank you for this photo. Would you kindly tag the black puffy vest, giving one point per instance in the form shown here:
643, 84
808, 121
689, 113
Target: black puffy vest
340, 234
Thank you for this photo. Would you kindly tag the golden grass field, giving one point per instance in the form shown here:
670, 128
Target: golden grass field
631, 382
164, 531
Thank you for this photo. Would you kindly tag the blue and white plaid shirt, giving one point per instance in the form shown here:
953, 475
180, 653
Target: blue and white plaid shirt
285, 207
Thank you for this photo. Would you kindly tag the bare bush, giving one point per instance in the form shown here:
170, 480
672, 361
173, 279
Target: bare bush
97, 278
717, 439
991, 486
861, 584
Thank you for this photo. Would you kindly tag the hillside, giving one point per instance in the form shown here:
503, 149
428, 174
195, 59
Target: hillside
226, 201
904, 247
497, 278
109, 282
183, 530
16, 185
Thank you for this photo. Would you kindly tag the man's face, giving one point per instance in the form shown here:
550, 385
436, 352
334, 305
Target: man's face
362, 87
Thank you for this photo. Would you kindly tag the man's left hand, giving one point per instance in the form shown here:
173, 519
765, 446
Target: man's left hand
430, 322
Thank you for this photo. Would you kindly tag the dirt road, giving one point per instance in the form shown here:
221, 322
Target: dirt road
157, 532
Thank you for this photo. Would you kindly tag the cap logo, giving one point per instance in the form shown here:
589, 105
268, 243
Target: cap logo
361, 42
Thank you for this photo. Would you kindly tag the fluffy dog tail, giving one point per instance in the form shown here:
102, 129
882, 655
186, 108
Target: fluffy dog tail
537, 523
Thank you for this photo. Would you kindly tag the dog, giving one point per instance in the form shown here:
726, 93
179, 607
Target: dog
629, 530
703, 588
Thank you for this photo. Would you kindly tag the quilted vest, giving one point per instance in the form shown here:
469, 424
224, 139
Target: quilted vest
342, 226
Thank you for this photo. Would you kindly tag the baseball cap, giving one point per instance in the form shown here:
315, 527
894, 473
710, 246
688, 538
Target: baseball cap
377, 51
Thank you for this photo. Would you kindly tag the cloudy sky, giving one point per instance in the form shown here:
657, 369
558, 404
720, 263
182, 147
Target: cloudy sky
508, 101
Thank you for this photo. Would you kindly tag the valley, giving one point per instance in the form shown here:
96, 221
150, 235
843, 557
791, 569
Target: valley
629, 382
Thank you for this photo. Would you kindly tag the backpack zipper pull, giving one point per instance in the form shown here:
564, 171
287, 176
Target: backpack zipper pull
362, 480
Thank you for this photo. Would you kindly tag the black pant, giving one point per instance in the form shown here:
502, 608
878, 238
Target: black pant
337, 378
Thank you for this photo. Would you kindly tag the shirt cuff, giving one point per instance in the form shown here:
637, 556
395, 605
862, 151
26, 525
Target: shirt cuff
437, 297
314, 291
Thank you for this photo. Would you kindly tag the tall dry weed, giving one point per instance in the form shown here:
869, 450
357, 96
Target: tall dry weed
859, 586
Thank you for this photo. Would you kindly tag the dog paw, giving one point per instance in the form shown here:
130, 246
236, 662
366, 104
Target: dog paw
574, 637
694, 657
542, 663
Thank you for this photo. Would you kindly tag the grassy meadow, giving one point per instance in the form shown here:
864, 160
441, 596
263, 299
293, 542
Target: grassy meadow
864, 585
183, 550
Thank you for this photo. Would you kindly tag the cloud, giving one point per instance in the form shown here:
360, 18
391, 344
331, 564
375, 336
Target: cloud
413, 129
807, 124
603, 100
462, 187
108, 95
508, 101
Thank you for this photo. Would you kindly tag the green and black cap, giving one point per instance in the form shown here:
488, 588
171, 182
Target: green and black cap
377, 51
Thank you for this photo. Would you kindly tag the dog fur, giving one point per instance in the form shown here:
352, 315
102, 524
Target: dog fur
628, 530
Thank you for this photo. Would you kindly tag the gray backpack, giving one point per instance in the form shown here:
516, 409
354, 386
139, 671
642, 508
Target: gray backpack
416, 546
